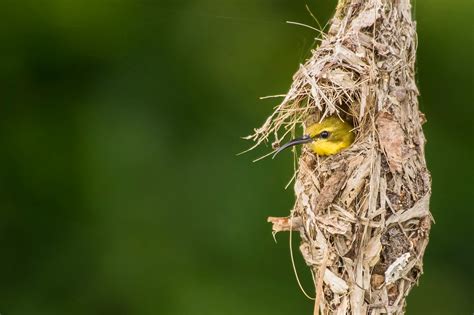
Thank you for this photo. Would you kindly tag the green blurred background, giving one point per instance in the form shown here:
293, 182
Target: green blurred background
121, 190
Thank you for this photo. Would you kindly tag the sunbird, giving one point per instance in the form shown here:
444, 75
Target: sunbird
328, 137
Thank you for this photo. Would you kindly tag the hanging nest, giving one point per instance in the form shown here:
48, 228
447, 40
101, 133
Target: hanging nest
363, 214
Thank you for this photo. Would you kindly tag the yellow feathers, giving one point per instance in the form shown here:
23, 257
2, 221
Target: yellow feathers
328, 137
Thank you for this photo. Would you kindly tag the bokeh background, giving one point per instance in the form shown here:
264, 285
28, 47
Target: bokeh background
121, 191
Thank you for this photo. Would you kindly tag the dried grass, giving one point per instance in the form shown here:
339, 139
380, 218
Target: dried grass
363, 214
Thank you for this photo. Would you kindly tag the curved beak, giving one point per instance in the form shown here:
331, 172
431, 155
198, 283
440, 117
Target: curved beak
300, 140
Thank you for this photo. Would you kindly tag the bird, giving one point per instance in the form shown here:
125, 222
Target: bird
328, 137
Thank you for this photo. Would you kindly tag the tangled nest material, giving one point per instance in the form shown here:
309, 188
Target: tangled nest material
363, 214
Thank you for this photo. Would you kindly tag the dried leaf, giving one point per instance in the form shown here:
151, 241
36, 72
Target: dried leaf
391, 137
340, 78
372, 251
331, 188
419, 210
335, 283
366, 18
395, 270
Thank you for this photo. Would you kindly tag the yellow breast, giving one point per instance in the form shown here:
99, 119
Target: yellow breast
328, 148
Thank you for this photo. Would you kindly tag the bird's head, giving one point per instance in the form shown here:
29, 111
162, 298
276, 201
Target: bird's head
328, 137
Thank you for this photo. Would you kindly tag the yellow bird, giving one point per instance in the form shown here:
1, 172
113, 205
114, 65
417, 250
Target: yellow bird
328, 137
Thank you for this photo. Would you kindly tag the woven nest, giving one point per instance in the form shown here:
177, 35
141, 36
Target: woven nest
363, 214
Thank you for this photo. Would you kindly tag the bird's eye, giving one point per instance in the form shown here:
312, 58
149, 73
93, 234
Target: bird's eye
324, 135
